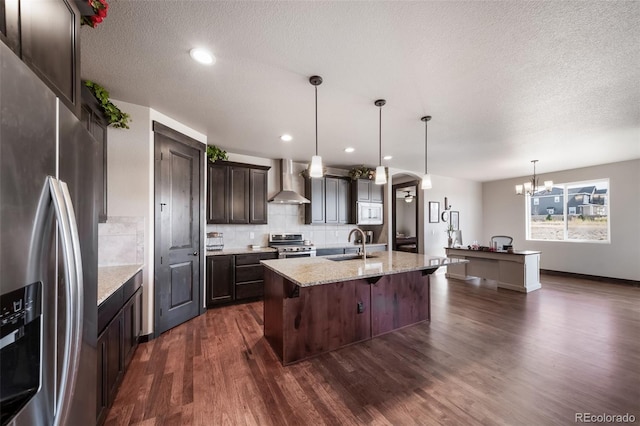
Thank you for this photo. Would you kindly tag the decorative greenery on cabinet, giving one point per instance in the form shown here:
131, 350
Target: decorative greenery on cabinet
362, 172
116, 118
214, 153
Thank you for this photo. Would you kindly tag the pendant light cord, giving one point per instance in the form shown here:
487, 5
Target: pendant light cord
316, 87
380, 138
426, 125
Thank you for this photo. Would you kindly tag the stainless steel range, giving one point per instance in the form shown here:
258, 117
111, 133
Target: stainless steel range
291, 245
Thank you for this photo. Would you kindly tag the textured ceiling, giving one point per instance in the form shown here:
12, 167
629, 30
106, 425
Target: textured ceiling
505, 82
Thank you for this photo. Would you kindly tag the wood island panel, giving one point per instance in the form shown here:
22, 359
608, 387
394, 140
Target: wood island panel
304, 321
398, 301
324, 318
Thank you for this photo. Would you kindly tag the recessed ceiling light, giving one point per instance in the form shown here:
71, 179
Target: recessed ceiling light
203, 56
388, 157
286, 138
349, 149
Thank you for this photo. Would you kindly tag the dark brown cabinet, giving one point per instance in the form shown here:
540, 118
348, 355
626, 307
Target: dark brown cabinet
219, 279
330, 200
235, 277
217, 193
258, 196
236, 193
367, 190
119, 330
45, 36
249, 275
96, 123
314, 212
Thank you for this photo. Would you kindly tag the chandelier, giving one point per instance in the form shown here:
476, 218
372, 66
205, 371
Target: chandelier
530, 187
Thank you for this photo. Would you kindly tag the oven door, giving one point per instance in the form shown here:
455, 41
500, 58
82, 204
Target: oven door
292, 254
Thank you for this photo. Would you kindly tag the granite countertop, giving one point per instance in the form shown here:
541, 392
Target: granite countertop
111, 278
310, 271
242, 250
518, 252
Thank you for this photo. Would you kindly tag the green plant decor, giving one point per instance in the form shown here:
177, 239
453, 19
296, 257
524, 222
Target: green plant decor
214, 153
116, 118
362, 172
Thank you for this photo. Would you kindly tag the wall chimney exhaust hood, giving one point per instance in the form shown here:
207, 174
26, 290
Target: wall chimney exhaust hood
287, 195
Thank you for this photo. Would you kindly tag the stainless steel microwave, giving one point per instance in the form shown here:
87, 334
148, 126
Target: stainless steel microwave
370, 213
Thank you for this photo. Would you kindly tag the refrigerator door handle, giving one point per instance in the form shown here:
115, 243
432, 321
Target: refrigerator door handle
78, 312
65, 389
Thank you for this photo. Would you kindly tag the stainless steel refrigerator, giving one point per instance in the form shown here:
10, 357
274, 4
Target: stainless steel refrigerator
48, 255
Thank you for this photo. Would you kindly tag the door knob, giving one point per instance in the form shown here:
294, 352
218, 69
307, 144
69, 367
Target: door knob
195, 253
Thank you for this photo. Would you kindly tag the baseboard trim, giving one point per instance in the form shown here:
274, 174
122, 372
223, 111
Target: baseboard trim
591, 277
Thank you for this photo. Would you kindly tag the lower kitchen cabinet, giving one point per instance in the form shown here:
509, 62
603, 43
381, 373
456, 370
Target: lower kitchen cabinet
117, 341
219, 279
235, 277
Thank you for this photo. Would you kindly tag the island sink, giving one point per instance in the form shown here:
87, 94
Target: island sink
350, 257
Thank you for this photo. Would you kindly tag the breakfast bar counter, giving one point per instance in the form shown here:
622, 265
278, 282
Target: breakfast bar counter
314, 305
517, 270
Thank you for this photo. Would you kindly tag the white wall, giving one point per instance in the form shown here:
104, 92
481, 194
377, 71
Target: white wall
465, 197
504, 213
130, 186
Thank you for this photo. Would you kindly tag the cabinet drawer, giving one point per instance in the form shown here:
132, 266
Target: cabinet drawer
250, 289
253, 258
249, 273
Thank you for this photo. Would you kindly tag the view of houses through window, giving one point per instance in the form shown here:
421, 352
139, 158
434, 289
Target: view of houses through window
570, 212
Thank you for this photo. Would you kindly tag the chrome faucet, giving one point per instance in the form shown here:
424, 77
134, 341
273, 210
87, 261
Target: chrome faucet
364, 249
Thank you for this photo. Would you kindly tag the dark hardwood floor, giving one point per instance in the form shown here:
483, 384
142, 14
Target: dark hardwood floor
489, 356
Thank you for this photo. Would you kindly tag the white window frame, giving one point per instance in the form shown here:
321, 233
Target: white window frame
565, 210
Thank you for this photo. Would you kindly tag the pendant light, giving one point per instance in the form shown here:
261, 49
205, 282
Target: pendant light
315, 170
381, 174
426, 179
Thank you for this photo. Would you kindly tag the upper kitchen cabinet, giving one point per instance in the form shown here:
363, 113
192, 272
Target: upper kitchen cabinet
258, 194
96, 123
236, 193
330, 200
337, 200
367, 190
44, 33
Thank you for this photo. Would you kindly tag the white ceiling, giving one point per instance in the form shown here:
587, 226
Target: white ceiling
505, 82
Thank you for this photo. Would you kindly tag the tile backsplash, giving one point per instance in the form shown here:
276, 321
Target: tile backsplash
121, 241
282, 218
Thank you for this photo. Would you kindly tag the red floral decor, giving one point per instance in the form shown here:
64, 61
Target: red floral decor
100, 8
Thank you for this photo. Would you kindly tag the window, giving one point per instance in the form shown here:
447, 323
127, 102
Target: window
582, 214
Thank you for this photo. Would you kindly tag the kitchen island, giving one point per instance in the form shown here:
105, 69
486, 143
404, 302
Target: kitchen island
518, 270
314, 305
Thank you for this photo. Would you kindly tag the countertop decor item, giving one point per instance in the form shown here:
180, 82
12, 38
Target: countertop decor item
117, 118
99, 8
214, 153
